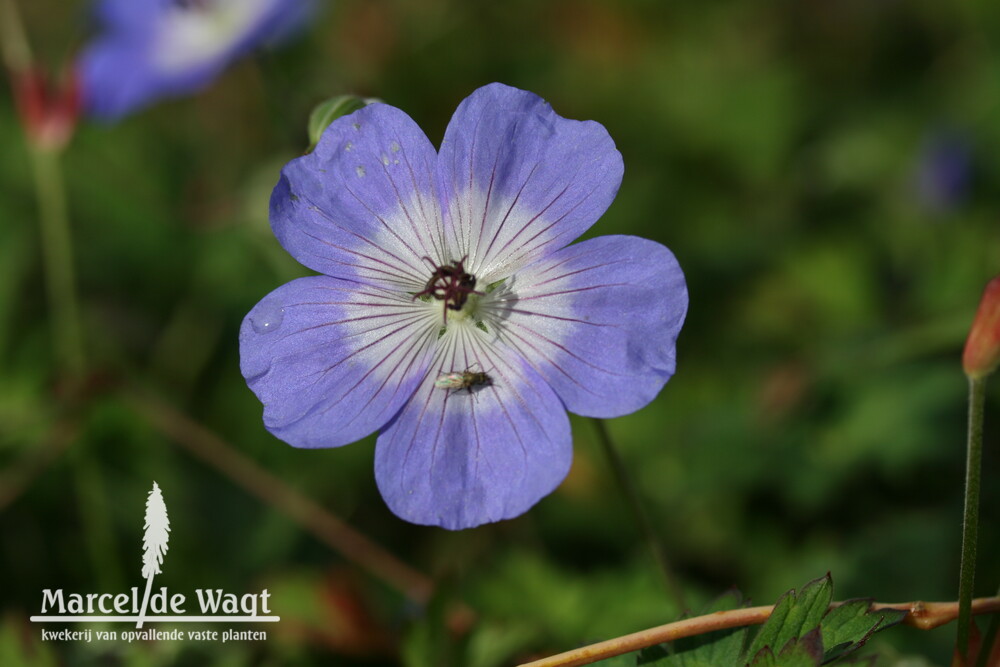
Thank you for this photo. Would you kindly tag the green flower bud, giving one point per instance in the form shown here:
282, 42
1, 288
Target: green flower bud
330, 110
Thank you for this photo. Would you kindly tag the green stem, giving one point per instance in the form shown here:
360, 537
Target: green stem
67, 339
635, 504
970, 518
13, 40
57, 250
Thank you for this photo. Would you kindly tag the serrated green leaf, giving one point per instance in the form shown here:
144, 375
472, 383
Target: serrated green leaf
715, 649
804, 651
795, 614
654, 655
763, 658
847, 627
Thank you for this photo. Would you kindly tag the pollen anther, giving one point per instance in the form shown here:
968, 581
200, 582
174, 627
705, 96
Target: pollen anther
450, 283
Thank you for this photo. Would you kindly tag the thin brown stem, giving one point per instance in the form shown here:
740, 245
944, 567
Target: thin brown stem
20, 476
326, 527
922, 615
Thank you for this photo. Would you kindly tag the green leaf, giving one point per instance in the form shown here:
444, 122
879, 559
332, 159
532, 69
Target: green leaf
847, 627
17, 648
657, 655
494, 644
714, 649
795, 634
805, 651
429, 642
795, 614
330, 110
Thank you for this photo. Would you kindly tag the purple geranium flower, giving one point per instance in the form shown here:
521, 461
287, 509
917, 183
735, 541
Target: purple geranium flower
453, 316
151, 49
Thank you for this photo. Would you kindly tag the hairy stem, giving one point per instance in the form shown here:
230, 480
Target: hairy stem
642, 519
970, 516
922, 615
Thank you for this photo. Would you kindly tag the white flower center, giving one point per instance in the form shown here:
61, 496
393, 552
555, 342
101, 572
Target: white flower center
470, 311
198, 31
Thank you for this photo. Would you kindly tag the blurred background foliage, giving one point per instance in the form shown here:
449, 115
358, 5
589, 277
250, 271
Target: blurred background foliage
827, 173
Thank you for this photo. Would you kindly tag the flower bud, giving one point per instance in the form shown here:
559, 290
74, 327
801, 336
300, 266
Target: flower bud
330, 110
982, 348
48, 111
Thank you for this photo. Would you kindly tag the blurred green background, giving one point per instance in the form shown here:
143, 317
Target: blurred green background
828, 175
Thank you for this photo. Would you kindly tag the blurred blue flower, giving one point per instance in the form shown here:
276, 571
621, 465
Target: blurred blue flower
453, 315
944, 170
153, 49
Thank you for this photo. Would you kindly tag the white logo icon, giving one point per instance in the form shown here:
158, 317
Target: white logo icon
159, 606
154, 543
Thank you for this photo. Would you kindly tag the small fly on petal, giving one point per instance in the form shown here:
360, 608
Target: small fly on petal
466, 379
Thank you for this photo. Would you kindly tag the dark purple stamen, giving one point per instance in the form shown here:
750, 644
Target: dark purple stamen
450, 283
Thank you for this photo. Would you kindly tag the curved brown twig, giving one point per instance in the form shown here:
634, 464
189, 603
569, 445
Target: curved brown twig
922, 615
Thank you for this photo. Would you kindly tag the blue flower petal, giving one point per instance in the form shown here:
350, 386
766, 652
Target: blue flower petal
128, 14
521, 181
599, 320
457, 459
332, 361
115, 81
154, 49
363, 205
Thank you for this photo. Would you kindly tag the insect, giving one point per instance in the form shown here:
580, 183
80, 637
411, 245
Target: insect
449, 283
466, 379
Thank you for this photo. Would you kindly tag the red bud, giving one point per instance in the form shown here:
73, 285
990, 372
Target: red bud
48, 112
982, 348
